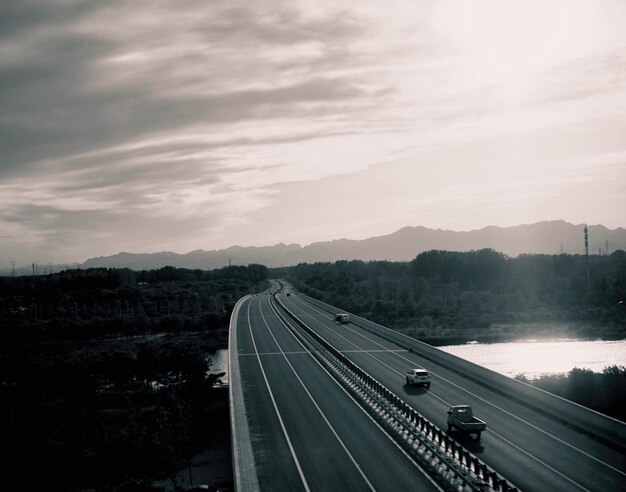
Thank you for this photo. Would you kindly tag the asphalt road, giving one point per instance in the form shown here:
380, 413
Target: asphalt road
532, 450
306, 432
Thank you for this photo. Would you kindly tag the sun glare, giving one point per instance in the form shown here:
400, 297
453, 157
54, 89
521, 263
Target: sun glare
514, 38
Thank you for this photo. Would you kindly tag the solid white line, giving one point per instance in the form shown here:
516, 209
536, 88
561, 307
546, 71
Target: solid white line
391, 368
442, 400
354, 462
280, 419
411, 460
269, 353
571, 446
478, 397
371, 350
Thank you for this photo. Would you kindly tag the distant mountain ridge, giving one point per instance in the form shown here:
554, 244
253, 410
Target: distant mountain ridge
403, 245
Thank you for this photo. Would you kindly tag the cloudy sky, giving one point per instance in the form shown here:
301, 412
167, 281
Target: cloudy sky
145, 126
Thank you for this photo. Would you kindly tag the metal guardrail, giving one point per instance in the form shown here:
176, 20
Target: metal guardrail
446, 461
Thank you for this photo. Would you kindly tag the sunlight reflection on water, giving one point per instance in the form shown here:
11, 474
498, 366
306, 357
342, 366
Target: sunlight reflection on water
219, 363
533, 357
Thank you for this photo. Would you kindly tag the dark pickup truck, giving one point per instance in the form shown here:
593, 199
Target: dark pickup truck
461, 418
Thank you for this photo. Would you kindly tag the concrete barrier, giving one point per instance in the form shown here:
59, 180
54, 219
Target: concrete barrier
244, 467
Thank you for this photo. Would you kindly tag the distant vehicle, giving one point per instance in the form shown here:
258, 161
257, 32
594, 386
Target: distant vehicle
418, 377
461, 418
342, 317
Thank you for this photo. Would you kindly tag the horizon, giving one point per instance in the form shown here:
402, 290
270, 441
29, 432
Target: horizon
151, 127
46, 265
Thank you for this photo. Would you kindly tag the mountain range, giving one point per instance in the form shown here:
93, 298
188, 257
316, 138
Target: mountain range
548, 237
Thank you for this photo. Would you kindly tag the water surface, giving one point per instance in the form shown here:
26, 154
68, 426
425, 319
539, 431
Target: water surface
533, 357
530, 357
219, 363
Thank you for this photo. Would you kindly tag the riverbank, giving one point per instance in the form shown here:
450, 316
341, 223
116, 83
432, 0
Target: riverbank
512, 332
105, 414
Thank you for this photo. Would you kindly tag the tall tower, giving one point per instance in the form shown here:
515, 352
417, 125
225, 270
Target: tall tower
587, 254
606, 247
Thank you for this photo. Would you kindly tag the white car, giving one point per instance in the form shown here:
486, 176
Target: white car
418, 377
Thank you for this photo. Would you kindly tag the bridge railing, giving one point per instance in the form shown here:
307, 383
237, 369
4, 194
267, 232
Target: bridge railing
448, 461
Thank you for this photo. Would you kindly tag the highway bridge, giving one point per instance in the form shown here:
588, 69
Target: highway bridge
321, 405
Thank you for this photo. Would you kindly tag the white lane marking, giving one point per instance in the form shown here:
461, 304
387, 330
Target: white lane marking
571, 446
252, 354
448, 404
372, 350
280, 419
332, 378
245, 354
332, 429
487, 402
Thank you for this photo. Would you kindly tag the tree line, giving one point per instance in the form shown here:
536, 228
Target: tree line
443, 290
603, 392
468, 293
106, 301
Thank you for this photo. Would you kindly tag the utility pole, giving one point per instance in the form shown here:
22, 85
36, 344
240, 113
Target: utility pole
587, 254
13, 268
606, 246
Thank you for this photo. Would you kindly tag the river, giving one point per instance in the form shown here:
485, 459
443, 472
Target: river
534, 358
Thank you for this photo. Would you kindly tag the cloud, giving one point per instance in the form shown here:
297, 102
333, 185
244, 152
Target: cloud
122, 71
76, 231
171, 123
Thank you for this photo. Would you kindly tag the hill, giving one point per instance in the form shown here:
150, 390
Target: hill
403, 245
